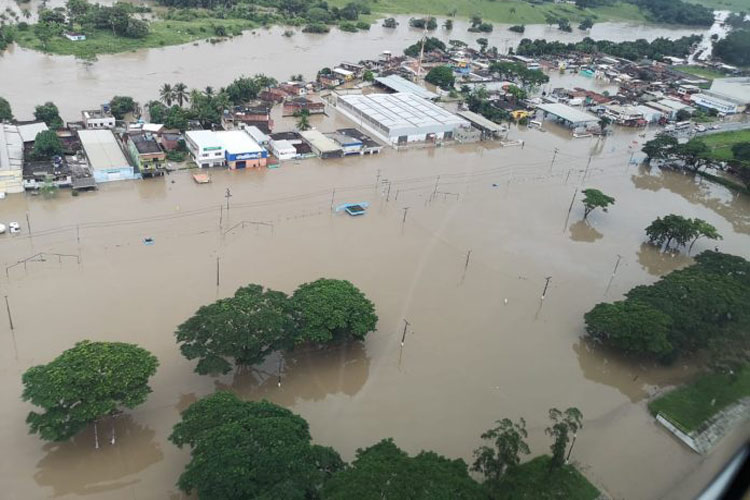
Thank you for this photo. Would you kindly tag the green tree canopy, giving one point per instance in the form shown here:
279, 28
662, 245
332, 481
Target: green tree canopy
156, 111
6, 114
660, 147
593, 199
85, 383
563, 424
441, 76
430, 43
244, 329
385, 471
631, 327
49, 114
675, 228
740, 151
47, 145
250, 449
330, 309
508, 443
121, 105
734, 48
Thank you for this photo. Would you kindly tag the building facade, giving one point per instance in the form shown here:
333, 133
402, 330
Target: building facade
98, 119
241, 151
205, 148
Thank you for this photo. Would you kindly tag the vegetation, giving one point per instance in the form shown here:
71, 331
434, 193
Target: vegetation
478, 102
430, 44
303, 120
537, 479
593, 199
586, 24
700, 71
244, 329
479, 26
690, 406
681, 230
638, 49
517, 28
85, 383
385, 471
441, 76
47, 145
518, 72
6, 114
390, 22
121, 105
563, 424
676, 12
734, 48
250, 450
508, 443
428, 23
701, 307
49, 114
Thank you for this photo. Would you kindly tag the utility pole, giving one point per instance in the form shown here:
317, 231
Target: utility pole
466, 264
228, 195
281, 360
575, 435
221, 215
554, 155
377, 179
217, 272
434, 191
28, 222
333, 195
587, 169
78, 234
546, 284
388, 196
619, 257
570, 208
10, 318
403, 221
403, 336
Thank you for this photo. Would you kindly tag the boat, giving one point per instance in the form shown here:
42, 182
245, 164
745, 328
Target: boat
353, 209
2, 228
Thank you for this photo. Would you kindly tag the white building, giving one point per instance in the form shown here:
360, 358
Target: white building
709, 100
283, 150
205, 147
105, 156
400, 118
11, 159
322, 145
256, 133
97, 119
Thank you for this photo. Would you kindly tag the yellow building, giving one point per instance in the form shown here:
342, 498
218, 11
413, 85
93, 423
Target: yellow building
11, 159
519, 113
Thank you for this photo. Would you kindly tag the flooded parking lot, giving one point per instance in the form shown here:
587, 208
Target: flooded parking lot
469, 357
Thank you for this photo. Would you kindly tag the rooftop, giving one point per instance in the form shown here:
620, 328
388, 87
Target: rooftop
399, 84
238, 142
568, 113
481, 121
737, 89
29, 131
204, 138
368, 141
320, 141
145, 144
257, 134
102, 149
11, 148
402, 110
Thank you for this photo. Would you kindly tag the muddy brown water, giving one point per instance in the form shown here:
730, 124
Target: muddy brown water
469, 358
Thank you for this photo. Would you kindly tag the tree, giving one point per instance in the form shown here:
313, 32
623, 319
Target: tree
390, 22
631, 327
740, 151
49, 114
441, 76
508, 439
156, 111
593, 199
85, 383
244, 329
368, 76
604, 122
563, 423
76, 9
180, 93
448, 24
176, 118
430, 43
517, 93
330, 309
663, 231
47, 145
703, 230
303, 120
46, 31
250, 449
6, 114
482, 42
121, 105
385, 471
586, 24
166, 94
734, 48
661, 147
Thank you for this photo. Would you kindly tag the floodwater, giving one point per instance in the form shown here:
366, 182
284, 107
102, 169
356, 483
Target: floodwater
29, 78
469, 357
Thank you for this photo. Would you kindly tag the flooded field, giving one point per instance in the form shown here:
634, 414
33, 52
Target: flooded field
33, 77
469, 357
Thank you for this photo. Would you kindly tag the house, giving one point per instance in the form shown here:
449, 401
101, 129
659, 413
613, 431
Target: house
105, 155
170, 141
98, 118
302, 148
74, 37
258, 116
29, 131
257, 135
146, 153
628, 116
298, 104
344, 74
241, 151
11, 159
348, 145
274, 94
283, 149
205, 148
322, 145
369, 145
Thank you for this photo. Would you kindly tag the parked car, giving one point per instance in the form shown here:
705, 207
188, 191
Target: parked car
699, 128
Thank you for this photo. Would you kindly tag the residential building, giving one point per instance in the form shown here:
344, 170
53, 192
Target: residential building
105, 156
205, 147
29, 131
283, 149
170, 141
257, 135
322, 145
98, 118
74, 37
11, 159
241, 151
348, 145
146, 153
298, 104
628, 116
302, 149
400, 118
239, 116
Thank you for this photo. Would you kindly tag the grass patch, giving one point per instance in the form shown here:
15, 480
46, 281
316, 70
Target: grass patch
161, 34
535, 480
721, 143
701, 72
691, 405
733, 5
509, 11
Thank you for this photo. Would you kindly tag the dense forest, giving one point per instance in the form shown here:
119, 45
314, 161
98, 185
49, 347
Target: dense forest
628, 50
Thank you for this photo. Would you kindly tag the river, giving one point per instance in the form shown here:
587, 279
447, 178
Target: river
29, 78
469, 357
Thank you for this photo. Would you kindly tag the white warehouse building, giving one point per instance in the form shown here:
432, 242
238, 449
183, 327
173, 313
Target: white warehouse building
400, 118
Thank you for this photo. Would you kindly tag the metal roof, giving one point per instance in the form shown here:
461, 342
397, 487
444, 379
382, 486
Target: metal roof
737, 88
29, 131
403, 111
238, 142
102, 149
481, 121
11, 148
319, 141
204, 139
257, 134
568, 113
398, 84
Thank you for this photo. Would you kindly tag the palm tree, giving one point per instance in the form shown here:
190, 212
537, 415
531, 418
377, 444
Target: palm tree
195, 97
167, 94
209, 91
180, 94
26, 13
303, 120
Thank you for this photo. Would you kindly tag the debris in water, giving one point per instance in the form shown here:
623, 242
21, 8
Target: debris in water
148, 241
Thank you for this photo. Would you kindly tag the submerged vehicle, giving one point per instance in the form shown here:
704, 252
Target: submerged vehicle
353, 209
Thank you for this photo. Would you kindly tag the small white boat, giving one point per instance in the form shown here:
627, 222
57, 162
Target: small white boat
2, 228
14, 227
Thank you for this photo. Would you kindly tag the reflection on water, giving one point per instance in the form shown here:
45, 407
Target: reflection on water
657, 263
77, 467
732, 206
583, 231
634, 380
309, 374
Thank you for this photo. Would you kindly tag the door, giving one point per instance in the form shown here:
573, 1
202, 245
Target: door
240, 164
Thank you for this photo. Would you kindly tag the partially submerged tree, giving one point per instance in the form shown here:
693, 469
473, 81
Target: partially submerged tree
330, 309
441, 76
47, 145
632, 327
681, 230
303, 120
508, 443
660, 147
250, 449
85, 383
121, 105
563, 424
243, 329
385, 471
6, 114
49, 114
703, 230
593, 199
